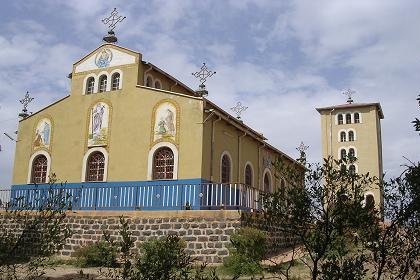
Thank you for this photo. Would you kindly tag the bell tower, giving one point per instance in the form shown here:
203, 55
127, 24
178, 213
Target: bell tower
354, 130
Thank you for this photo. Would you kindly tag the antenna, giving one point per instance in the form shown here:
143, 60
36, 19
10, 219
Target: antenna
10, 137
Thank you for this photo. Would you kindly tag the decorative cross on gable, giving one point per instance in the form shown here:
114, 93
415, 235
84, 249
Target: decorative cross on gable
302, 149
202, 76
238, 109
25, 102
113, 20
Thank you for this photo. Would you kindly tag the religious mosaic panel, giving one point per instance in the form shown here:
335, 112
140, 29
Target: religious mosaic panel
98, 125
42, 138
165, 122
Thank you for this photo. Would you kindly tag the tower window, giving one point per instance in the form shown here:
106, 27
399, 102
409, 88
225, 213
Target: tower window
343, 168
356, 118
116, 81
369, 201
102, 83
248, 175
90, 85
95, 167
343, 154
340, 119
342, 136
348, 118
226, 167
39, 170
351, 136
163, 164
352, 169
352, 153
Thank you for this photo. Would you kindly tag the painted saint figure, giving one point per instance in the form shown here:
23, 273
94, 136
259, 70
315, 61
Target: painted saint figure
46, 134
169, 120
97, 119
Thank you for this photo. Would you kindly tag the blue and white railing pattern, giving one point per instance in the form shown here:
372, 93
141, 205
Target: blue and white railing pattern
200, 196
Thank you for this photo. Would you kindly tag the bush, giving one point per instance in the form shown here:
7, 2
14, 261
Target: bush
247, 251
97, 254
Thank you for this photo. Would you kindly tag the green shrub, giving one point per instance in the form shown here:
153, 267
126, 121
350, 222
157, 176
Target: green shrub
247, 251
97, 254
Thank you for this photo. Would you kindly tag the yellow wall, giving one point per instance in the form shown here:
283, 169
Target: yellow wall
130, 131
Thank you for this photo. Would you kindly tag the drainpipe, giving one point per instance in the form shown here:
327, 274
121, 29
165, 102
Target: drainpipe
145, 73
331, 130
213, 125
239, 156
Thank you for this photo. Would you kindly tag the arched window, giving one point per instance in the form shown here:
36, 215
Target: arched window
267, 182
115, 81
90, 85
352, 169
340, 119
352, 153
102, 83
369, 201
343, 154
149, 81
356, 118
39, 170
163, 164
342, 136
351, 135
226, 167
348, 118
158, 85
95, 167
343, 168
248, 175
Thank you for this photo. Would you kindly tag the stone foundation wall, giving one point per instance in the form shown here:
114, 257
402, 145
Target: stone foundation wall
207, 233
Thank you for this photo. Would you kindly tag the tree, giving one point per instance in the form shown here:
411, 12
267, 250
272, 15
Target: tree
32, 230
416, 122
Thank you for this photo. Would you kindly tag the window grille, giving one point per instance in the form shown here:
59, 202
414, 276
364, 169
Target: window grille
226, 169
90, 85
102, 83
163, 164
95, 167
116, 81
39, 170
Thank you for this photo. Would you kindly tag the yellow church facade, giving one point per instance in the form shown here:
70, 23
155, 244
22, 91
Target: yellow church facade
130, 135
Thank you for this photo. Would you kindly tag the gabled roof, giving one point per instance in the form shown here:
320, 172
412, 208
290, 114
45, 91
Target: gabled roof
354, 105
106, 44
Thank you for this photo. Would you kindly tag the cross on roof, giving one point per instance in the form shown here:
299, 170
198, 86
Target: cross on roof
25, 102
349, 93
238, 109
113, 19
203, 74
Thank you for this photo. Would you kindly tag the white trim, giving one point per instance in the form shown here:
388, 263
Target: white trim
152, 153
336, 118
85, 158
121, 78
266, 170
339, 135
339, 152
360, 116
231, 166
355, 150
108, 85
85, 81
31, 160
252, 169
354, 134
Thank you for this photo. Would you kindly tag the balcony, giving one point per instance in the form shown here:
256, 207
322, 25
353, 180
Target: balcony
200, 196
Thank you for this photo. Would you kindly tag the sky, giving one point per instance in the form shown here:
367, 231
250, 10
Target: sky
282, 59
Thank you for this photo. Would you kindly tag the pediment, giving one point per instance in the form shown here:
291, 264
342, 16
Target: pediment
107, 55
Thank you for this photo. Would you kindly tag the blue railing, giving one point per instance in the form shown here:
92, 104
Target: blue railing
200, 196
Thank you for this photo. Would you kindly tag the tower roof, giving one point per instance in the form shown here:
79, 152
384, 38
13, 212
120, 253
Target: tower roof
354, 105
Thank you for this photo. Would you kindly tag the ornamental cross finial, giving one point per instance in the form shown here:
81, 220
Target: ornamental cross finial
302, 149
203, 74
113, 19
349, 93
238, 109
25, 102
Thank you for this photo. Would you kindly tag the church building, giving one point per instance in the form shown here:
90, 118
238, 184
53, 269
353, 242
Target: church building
131, 136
